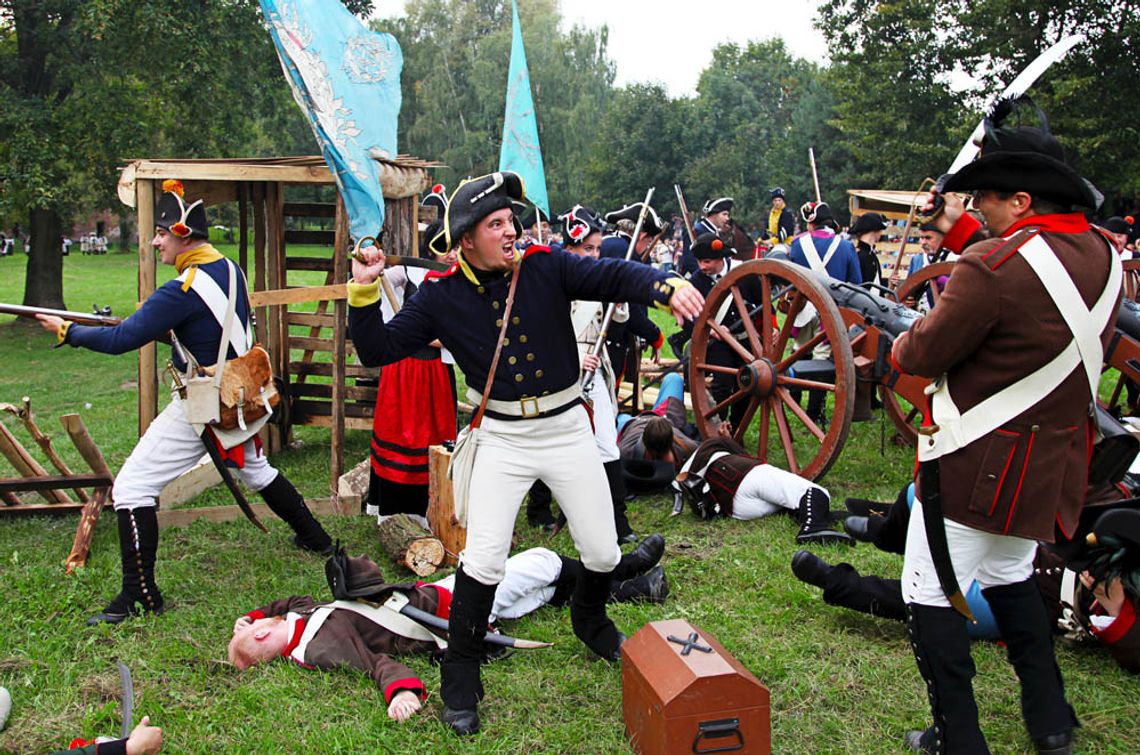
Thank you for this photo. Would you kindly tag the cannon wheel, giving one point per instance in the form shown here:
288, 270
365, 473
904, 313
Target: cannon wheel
784, 433
905, 417
1132, 279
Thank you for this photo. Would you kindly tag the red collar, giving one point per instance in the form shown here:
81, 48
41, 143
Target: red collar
295, 638
1068, 222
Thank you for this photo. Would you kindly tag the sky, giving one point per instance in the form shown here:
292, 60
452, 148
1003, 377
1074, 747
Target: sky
671, 42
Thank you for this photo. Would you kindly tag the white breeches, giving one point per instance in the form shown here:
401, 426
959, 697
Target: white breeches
767, 489
166, 450
560, 451
983, 556
528, 583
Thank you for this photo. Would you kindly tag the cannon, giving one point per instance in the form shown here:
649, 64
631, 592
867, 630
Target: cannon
860, 327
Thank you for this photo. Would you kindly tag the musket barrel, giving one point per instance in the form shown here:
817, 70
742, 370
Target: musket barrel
80, 317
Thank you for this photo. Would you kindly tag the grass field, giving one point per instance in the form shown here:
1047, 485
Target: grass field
840, 682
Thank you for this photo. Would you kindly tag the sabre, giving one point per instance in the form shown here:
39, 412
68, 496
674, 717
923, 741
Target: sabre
128, 699
491, 638
685, 213
588, 375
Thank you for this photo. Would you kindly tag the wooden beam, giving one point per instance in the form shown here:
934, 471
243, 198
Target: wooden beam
259, 284
264, 298
312, 319
184, 517
47, 508
148, 361
50, 482
325, 390
316, 237
85, 531
26, 465
312, 264
325, 369
243, 227
310, 209
340, 333
190, 171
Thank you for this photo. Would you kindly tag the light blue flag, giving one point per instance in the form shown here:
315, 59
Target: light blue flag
346, 79
521, 151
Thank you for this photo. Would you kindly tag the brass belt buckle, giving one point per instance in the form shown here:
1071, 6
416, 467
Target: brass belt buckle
529, 406
927, 430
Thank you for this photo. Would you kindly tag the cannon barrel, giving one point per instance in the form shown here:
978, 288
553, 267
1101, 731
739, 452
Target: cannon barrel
891, 318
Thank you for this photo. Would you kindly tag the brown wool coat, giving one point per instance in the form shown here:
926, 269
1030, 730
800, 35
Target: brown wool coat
994, 324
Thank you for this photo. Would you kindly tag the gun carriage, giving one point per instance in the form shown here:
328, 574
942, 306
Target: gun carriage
860, 327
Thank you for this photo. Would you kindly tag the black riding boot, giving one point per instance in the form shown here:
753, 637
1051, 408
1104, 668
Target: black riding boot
459, 685
138, 547
538, 502
588, 614
284, 501
942, 651
641, 559
1024, 624
616, 482
814, 515
651, 587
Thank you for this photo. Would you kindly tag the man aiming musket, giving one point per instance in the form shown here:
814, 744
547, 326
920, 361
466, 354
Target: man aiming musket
193, 306
505, 316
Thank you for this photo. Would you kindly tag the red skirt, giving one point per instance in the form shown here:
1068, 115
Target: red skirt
414, 410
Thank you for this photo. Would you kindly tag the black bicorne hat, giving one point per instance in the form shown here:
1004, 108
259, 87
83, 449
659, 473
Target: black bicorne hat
1016, 157
181, 219
532, 218
437, 199
1116, 224
709, 246
778, 192
816, 213
651, 225
713, 206
473, 200
578, 223
867, 222
932, 227
647, 475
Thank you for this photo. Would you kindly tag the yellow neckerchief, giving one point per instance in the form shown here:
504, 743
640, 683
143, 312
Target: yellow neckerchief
199, 255
469, 274
774, 221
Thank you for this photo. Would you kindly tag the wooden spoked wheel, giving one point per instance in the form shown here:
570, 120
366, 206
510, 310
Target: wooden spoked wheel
907, 418
1132, 279
773, 423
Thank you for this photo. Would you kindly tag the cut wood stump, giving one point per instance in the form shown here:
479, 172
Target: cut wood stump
441, 505
410, 545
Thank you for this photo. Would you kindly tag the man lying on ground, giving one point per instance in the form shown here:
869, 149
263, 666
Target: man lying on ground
350, 633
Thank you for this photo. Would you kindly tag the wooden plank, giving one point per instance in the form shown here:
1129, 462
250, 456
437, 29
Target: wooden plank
184, 517
148, 354
26, 465
310, 209
324, 369
313, 319
307, 408
313, 237
49, 482
350, 422
189, 171
311, 344
243, 227
340, 392
47, 508
326, 390
259, 284
202, 476
264, 298
311, 264
277, 278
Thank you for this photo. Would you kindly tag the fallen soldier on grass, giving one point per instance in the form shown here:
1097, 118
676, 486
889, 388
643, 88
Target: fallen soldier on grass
362, 635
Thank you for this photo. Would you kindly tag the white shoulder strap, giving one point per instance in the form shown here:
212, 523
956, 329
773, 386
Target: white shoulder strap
810, 253
831, 250
240, 338
957, 430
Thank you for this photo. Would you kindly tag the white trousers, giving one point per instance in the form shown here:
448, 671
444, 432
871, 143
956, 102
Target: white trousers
560, 451
527, 585
983, 556
767, 489
167, 449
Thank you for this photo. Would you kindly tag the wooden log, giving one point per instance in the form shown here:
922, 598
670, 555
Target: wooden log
81, 546
441, 505
145, 192
410, 545
91, 454
25, 464
10, 499
339, 352
43, 441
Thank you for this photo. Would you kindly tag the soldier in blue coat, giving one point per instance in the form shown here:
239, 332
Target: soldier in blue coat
536, 424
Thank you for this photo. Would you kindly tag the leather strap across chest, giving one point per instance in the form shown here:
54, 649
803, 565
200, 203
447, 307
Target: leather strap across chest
958, 429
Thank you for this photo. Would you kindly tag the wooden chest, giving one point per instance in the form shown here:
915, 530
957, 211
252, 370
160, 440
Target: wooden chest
441, 505
683, 693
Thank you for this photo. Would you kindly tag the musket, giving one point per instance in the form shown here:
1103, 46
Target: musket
432, 621
685, 213
588, 376
96, 318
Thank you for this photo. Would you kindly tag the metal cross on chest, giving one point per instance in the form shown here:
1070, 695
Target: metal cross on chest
691, 644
